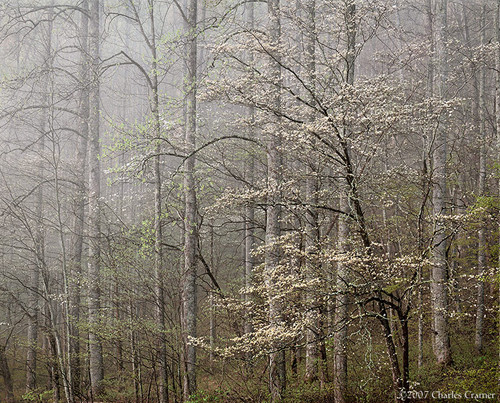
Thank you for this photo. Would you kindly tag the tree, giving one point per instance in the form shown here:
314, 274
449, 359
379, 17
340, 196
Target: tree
159, 269
76, 241
311, 226
325, 149
277, 369
343, 277
250, 177
7, 376
190, 219
497, 90
439, 294
481, 124
94, 262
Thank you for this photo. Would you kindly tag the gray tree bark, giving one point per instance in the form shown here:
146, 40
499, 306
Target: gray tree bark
60, 367
189, 299
311, 226
439, 277
94, 226
75, 250
34, 280
481, 253
159, 264
38, 232
341, 307
249, 171
277, 369
343, 275
152, 77
426, 184
497, 126
213, 320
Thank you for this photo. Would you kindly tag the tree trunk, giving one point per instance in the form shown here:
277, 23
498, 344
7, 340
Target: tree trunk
481, 253
190, 221
7, 376
211, 296
341, 309
75, 252
391, 350
34, 280
426, 184
94, 303
406, 352
249, 208
38, 237
439, 294
159, 269
53, 370
497, 126
134, 355
277, 370
343, 275
311, 227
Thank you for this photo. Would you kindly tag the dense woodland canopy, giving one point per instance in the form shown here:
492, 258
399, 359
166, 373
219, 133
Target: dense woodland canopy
249, 201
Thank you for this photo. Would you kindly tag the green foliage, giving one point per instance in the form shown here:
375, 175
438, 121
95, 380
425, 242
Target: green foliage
310, 393
207, 397
495, 167
482, 378
38, 395
483, 206
116, 390
470, 372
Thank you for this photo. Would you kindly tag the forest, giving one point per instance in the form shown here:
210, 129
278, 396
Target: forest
249, 201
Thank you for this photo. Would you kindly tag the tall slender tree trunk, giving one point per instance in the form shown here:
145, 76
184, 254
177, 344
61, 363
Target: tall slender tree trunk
426, 188
75, 252
34, 280
391, 349
341, 306
481, 253
497, 127
54, 371
249, 171
159, 259
134, 354
343, 275
426, 184
38, 238
211, 295
7, 376
406, 352
439, 278
94, 302
189, 299
62, 347
57, 368
311, 226
277, 369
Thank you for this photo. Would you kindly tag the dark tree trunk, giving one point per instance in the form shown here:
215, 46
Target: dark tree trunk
391, 351
7, 376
